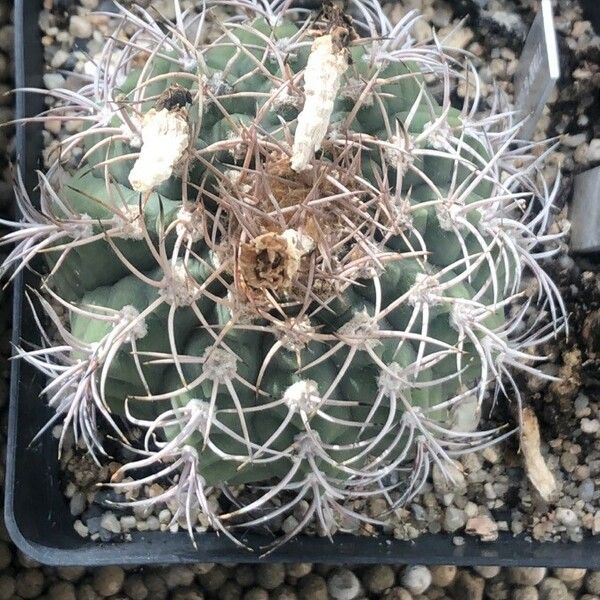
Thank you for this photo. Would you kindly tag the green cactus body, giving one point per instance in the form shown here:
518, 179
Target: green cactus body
335, 356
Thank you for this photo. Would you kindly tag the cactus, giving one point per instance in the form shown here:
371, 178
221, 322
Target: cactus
286, 257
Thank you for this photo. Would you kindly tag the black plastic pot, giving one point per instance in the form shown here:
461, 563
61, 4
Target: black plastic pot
36, 512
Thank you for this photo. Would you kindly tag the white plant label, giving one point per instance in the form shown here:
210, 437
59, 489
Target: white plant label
538, 70
585, 212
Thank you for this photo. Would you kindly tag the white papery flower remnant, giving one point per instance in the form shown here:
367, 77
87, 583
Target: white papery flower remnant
165, 137
326, 66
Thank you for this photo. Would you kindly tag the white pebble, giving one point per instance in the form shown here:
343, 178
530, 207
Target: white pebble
416, 579
80, 27
590, 425
53, 80
566, 517
110, 523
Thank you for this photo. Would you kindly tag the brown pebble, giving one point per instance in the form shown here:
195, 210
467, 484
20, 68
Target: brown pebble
468, 586
186, 593
108, 580
71, 573
230, 590
298, 569
214, 579
157, 588
135, 587
256, 593
378, 578
270, 575
442, 575
62, 590
284, 592
244, 575
312, 587
30, 583
397, 593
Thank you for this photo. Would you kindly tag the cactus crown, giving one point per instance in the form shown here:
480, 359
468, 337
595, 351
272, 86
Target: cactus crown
286, 256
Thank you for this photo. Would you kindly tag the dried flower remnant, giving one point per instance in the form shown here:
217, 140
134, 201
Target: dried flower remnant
326, 66
537, 471
165, 138
272, 260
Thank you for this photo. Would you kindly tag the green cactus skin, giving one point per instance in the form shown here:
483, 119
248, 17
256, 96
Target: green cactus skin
351, 365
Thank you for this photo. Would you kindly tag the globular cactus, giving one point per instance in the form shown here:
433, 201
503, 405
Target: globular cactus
287, 257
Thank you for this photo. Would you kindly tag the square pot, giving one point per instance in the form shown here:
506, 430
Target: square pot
36, 511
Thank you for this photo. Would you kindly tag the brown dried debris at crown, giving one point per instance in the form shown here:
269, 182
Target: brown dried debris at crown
339, 25
175, 97
269, 261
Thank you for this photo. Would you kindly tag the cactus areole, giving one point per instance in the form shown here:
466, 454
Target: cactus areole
287, 258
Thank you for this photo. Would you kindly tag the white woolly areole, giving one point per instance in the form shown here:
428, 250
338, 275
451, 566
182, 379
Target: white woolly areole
130, 223
190, 224
322, 80
219, 365
128, 315
177, 287
80, 229
363, 328
393, 380
439, 136
463, 315
297, 331
165, 137
399, 153
303, 396
425, 291
447, 213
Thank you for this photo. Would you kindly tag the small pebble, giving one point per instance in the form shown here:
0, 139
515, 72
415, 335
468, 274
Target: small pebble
80, 27
178, 576
62, 590
312, 587
553, 589
110, 523
378, 578
397, 593
70, 573
283, 592
416, 579
186, 593
244, 575
214, 579
468, 586
442, 575
7, 586
29, 583
5, 556
569, 575
454, 519
270, 575
157, 588
528, 592
134, 587
257, 593
108, 581
86, 592
526, 575
53, 81
343, 584
592, 582
298, 570
487, 572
